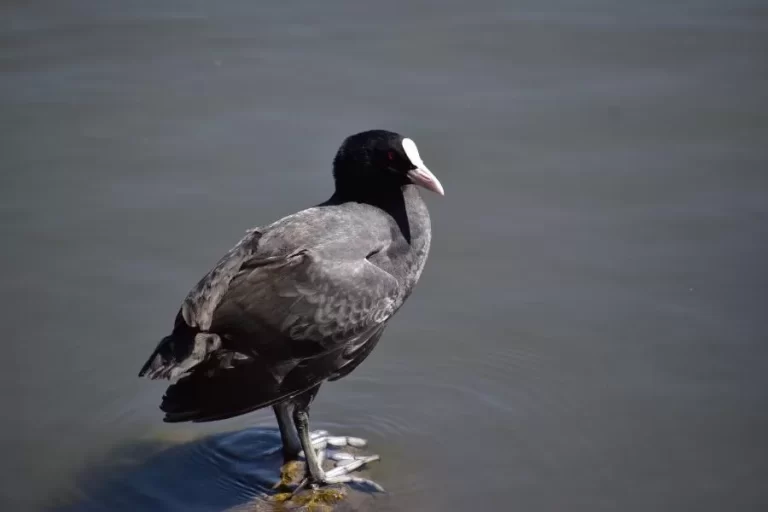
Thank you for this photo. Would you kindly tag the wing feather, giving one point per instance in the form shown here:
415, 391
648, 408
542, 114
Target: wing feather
201, 302
306, 297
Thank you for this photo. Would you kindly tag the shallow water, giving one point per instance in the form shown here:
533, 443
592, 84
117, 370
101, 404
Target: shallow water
589, 333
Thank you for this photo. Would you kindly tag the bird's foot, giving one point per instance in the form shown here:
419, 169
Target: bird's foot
323, 443
298, 489
342, 462
341, 475
338, 464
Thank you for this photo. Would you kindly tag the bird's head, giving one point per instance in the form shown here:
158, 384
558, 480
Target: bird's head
378, 160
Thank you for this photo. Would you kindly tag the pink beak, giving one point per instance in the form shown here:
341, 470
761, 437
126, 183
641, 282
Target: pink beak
422, 177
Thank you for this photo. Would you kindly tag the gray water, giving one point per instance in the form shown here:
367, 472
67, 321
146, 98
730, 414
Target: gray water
590, 330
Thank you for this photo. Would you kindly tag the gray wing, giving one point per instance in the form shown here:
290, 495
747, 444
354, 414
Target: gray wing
190, 343
201, 302
306, 297
274, 326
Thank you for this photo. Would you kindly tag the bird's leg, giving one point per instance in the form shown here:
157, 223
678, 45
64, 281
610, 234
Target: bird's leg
290, 472
288, 434
315, 473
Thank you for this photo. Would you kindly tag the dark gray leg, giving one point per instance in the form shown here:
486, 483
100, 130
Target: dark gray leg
288, 434
315, 473
300, 405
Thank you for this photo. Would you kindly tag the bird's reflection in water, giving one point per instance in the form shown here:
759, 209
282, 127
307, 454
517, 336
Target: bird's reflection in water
234, 471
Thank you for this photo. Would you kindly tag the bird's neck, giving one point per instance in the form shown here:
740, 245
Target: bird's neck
404, 204
382, 197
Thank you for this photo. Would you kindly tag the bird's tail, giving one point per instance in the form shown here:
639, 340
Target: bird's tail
209, 394
230, 384
179, 352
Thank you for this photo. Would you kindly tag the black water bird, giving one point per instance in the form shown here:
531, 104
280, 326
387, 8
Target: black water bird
303, 300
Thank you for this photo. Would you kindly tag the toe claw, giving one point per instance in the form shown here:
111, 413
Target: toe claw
343, 479
300, 487
344, 469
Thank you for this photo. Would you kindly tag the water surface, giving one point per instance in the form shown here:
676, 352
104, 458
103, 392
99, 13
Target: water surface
589, 333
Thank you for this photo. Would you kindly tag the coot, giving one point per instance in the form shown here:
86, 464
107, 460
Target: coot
303, 300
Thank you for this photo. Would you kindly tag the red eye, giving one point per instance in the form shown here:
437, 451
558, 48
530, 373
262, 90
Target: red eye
390, 155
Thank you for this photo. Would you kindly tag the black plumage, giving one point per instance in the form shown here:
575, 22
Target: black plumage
305, 299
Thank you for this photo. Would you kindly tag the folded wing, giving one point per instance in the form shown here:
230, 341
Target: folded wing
259, 329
